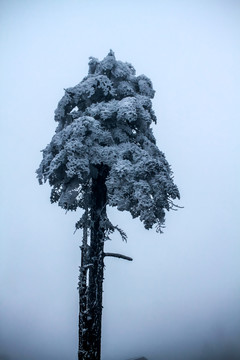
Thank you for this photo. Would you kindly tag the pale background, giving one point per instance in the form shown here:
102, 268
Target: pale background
180, 297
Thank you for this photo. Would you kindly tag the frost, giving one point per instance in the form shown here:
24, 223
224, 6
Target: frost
145, 86
106, 120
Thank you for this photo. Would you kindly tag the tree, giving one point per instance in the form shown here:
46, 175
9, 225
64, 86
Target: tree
104, 153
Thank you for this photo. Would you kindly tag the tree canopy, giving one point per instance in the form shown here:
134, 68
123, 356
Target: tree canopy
105, 122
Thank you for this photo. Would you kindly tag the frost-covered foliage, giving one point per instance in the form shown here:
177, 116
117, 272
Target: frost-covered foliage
105, 121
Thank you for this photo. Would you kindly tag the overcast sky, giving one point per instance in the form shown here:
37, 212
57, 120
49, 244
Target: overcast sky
180, 297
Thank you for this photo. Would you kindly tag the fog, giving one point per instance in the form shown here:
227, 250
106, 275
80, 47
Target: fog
179, 298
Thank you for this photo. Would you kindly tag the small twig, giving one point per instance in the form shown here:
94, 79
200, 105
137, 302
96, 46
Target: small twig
118, 256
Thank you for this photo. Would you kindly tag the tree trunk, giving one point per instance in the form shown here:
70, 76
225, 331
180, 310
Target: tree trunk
91, 273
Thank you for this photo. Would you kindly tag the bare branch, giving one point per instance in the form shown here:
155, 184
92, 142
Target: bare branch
120, 256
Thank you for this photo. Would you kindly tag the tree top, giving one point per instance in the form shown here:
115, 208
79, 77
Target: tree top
104, 122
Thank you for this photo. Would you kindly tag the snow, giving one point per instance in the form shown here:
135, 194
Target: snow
106, 120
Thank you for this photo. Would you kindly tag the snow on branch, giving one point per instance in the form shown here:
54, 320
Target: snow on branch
105, 120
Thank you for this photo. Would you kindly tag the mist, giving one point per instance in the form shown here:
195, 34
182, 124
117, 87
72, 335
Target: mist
179, 298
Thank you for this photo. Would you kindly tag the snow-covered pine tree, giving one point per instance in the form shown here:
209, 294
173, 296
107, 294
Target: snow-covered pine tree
104, 153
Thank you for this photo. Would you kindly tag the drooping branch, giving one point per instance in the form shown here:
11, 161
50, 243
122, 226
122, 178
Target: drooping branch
120, 256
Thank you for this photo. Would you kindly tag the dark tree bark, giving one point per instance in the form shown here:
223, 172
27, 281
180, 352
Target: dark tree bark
91, 272
83, 293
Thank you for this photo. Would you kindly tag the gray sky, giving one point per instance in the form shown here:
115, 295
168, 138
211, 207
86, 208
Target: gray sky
179, 298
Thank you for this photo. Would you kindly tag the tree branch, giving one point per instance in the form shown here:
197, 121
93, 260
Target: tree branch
118, 256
